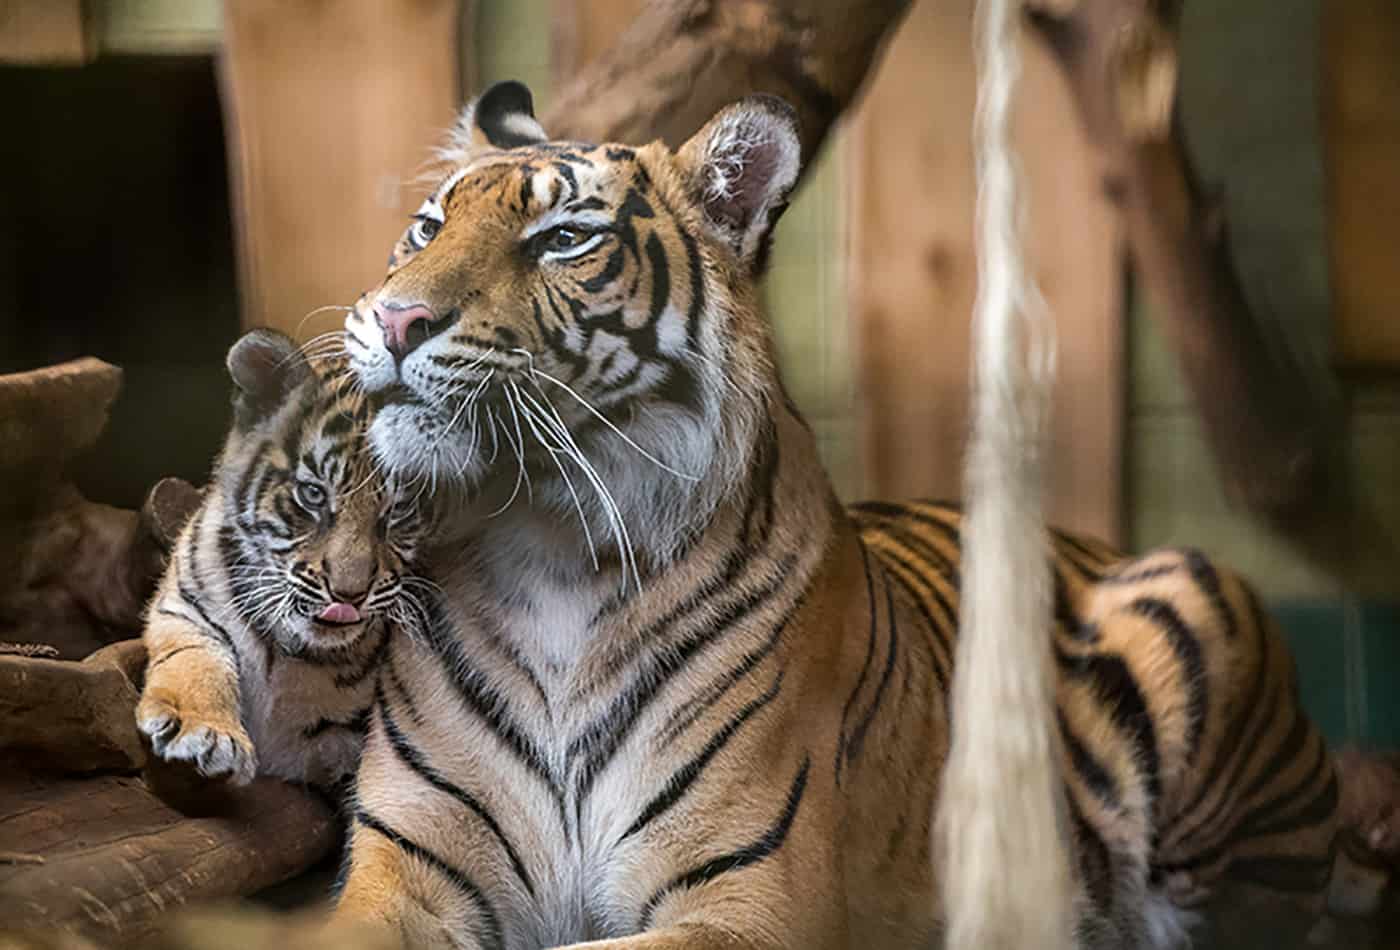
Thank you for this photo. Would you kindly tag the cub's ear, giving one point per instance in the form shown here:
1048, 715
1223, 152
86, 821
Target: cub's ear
266, 366
501, 117
741, 167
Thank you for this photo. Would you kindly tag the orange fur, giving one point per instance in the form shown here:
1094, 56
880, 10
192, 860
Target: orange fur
738, 741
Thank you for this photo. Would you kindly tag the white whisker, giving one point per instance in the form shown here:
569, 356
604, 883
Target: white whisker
609, 423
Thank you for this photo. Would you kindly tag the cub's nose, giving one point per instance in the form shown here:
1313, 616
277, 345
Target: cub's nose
349, 578
407, 328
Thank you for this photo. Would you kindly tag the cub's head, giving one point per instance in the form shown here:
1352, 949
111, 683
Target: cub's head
316, 542
560, 310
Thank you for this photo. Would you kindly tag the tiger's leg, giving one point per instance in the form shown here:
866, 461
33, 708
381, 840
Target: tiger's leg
378, 895
399, 876
189, 707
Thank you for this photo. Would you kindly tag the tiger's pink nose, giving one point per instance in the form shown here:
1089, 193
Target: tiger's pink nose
406, 328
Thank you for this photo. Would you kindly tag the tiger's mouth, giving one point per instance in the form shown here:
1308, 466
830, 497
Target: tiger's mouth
338, 614
396, 394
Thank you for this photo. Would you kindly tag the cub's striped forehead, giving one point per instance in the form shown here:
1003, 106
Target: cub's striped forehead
322, 430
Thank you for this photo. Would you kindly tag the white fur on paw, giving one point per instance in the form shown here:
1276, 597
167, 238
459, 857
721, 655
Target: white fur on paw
215, 752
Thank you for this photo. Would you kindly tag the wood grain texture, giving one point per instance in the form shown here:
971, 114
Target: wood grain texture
331, 112
913, 271
73, 716
49, 32
1361, 128
1268, 432
116, 859
680, 61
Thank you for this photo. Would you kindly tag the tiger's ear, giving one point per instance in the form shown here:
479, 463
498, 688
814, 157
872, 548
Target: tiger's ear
741, 167
501, 117
266, 366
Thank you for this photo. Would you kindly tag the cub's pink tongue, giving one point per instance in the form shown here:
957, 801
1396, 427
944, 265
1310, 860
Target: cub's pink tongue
339, 613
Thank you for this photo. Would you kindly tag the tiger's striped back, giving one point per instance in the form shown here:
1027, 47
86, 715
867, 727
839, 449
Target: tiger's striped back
1188, 758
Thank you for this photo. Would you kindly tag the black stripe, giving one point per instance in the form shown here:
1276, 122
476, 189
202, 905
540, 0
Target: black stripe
1086, 561
857, 740
1138, 576
611, 268
1188, 652
160, 660
415, 760
349, 679
189, 598
865, 666
489, 919
1256, 821
1089, 769
896, 512
691, 710
660, 276
933, 563
1230, 749
745, 548
602, 740
769, 842
1095, 860
1118, 690
1209, 581
482, 698
681, 780
940, 664
1318, 810
392, 673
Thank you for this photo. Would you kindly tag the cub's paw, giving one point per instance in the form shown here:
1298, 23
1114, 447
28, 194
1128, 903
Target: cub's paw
217, 745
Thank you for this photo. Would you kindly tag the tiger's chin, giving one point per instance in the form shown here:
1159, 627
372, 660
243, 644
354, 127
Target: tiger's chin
415, 443
306, 635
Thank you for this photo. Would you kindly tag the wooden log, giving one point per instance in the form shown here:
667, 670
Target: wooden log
73, 717
1268, 435
50, 415
682, 60
108, 861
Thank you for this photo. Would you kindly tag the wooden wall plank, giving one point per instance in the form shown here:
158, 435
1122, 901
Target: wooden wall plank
913, 271
34, 32
332, 109
1361, 123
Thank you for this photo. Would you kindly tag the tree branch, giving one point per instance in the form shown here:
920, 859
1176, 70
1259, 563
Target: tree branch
682, 60
1120, 58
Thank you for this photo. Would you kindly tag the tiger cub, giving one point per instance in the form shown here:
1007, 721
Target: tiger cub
267, 630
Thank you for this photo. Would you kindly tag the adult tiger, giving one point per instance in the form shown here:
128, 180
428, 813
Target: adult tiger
266, 633
681, 698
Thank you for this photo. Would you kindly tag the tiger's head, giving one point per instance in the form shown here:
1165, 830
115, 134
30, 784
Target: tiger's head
583, 319
317, 544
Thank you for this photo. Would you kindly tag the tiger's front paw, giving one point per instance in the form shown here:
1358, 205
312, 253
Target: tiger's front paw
216, 744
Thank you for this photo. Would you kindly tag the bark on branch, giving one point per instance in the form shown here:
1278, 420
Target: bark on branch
682, 60
1120, 58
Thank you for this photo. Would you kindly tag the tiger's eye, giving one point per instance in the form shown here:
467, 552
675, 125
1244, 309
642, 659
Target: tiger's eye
425, 230
561, 239
310, 496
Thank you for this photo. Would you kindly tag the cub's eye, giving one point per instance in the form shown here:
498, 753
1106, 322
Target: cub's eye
400, 512
561, 239
424, 229
310, 496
